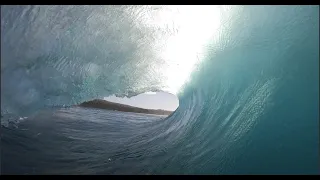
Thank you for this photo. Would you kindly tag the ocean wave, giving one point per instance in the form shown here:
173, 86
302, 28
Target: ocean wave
246, 76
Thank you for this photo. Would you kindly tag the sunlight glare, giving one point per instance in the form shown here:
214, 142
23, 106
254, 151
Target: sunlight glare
196, 26
180, 35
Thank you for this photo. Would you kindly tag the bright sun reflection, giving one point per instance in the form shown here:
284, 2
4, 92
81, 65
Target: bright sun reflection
194, 27
180, 35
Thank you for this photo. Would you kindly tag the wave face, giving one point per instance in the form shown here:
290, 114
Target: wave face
247, 77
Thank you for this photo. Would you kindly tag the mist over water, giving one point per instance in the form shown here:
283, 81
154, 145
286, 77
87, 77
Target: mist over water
247, 79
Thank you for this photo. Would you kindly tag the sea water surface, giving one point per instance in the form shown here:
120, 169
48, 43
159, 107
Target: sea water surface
247, 79
82, 141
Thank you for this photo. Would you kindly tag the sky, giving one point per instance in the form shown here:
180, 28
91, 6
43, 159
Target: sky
149, 100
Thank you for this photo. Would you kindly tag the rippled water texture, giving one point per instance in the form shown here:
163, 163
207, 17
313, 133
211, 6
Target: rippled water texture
247, 78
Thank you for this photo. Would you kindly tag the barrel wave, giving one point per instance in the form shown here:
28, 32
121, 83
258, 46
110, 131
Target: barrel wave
247, 78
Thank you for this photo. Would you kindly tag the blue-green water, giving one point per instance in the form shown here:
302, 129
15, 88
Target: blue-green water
247, 78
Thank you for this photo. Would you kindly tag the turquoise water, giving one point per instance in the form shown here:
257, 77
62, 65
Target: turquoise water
247, 78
